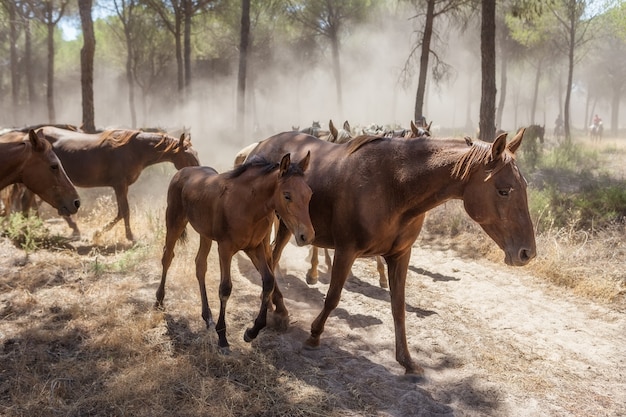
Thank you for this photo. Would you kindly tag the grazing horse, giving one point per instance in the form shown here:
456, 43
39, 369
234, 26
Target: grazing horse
116, 158
237, 209
370, 196
29, 159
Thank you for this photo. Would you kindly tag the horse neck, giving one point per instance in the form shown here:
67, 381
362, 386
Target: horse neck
154, 150
426, 179
15, 155
261, 190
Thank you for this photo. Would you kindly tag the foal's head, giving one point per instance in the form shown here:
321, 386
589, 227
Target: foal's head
292, 199
183, 154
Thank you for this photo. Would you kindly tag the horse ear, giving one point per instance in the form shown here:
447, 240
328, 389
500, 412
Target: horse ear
37, 140
414, 129
468, 141
332, 128
346, 126
498, 147
429, 125
284, 165
181, 141
304, 164
517, 141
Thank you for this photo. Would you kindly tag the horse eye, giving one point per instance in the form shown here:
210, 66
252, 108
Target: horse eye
287, 196
504, 193
54, 167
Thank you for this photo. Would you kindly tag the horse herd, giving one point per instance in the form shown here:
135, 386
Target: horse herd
367, 196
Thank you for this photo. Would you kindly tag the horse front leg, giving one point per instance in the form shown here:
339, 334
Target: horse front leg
259, 258
280, 241
123, 211
226, 287
398, 267
72, 224
341, 268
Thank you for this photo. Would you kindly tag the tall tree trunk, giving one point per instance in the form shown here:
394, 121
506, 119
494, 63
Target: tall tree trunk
533, 108
334, 43
50, 86
86, 64
188, 11
28, 64
570, 77
15, 75
179, 60
425, 55
503, 80
243, 62
488, 66
615, 100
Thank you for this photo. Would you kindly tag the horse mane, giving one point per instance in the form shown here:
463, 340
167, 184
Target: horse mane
266, 166
360, 141
121, 137
478, 153
117, 137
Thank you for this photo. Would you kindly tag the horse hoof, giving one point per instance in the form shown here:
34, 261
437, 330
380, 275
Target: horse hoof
311, 344
310, 279
414, 378
224, 350
159, 306
278, 322
247, 337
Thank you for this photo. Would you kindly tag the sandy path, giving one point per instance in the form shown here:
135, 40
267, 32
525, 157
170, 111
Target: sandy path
493, 341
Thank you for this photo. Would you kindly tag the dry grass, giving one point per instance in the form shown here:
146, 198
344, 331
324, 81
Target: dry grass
80, 335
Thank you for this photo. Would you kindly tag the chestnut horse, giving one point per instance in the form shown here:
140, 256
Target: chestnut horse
237, 209
116, 158
29, 159
370, 196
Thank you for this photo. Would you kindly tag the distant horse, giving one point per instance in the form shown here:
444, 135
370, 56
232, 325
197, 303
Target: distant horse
533, 141
370, 197
595, 131
237, 209
116, 158
29, 159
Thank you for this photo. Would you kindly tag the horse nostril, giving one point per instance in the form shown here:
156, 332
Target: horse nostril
303, 238
526, 254
77, 203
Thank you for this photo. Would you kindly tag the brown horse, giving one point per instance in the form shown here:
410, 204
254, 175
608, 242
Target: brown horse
370, 196
312, 274
29, 159
116, 158
237, 209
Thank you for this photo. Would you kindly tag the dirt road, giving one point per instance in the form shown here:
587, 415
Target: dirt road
493, 341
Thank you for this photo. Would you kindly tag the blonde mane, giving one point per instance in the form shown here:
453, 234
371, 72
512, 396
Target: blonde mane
120, 137
478, 153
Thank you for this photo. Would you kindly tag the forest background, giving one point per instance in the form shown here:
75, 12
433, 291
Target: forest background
254, 68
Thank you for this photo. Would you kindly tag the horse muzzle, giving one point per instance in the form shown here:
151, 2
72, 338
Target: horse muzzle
521, 258
66, 210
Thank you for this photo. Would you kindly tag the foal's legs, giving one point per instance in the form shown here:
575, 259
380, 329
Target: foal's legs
313, 274
259, 258
341, 269
201, 267
226, 287
175, 224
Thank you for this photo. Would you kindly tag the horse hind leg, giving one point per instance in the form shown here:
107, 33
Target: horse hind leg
312, 274
380, 266
175, 230
226, 287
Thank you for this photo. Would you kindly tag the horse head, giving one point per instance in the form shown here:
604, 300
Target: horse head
292, 199
44, 175
184, 155
495, 197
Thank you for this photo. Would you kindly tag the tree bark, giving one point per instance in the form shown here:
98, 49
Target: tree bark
50, 86
243, 62
86, 64
424, 57
488, 66
503, 81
